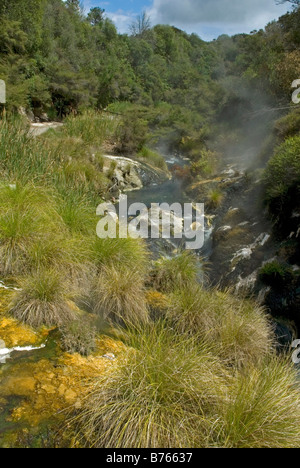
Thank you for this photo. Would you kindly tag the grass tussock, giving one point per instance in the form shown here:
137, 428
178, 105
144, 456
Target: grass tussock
42, 300
263, 410
118, 295
27, 216
91, 126
129, 253
162, 394
238, 331
177, 272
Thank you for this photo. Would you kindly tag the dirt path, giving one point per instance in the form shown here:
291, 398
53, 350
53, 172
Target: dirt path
37, 129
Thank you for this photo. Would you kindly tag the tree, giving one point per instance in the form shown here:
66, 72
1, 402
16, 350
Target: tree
74, 5
141, 25
293, 2
96, 16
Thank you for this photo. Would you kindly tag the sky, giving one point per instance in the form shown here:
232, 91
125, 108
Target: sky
208, 18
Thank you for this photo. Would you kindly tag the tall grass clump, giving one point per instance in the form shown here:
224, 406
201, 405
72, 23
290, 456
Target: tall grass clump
90, 126
27, 216
238, 330
23, 158
79, 336
118, 295
215, 199
77, 213
129, 253
263, 410
174, 273
161, 394
42, 300
85, 176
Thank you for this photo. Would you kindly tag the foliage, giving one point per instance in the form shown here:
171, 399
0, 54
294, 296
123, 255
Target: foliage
283, 175
236, 330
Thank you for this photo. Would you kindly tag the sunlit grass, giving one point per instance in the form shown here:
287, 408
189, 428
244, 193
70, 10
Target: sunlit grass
162, 393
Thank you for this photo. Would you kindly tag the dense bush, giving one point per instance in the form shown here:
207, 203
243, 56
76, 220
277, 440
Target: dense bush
283, 173
275, 274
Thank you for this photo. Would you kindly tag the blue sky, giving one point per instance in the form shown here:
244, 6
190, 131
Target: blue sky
208, 18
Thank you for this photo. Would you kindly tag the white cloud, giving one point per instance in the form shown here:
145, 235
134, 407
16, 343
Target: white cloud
213, 17
122, 19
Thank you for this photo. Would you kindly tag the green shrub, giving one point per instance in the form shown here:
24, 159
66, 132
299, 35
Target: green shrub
132, 134
206, 164
288, 125
283, 170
